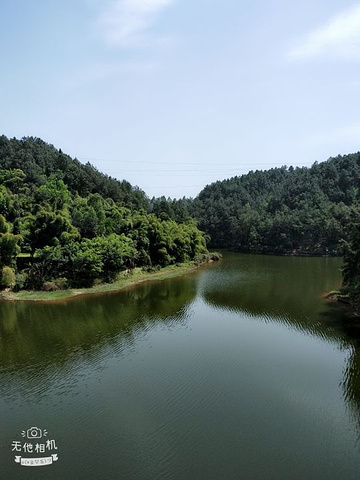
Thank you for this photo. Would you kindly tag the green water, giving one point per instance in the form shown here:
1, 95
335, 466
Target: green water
237, 371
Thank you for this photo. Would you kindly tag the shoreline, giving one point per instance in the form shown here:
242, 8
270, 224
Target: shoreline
290, 253
128, 280
343, 299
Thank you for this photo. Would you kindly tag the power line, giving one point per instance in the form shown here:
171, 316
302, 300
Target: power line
202, 170
177, 172
192, 163
164, 187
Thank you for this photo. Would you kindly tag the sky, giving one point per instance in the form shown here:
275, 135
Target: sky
172, 95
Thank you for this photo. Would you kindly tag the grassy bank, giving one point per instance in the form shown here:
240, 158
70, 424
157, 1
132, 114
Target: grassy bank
134, 277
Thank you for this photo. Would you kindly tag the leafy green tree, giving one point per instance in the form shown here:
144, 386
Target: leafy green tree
6, 201
9, 249
351, 252
87, 266
47, 229
8, 278
78, 262
4, 228
117, 253
55, 193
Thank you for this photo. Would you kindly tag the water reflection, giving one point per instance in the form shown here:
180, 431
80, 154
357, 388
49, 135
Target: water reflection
288, 288
32, 333
290, 291
183, 375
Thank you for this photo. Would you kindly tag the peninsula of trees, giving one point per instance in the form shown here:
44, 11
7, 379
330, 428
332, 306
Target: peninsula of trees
74, 225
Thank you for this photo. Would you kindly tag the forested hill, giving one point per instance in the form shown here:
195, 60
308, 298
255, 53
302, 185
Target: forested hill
38, 160
63, 224
283, 209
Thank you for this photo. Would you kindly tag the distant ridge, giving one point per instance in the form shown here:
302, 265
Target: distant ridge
282, 210
39, 160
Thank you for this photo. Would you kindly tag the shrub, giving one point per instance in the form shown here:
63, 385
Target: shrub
87, 266
162, 257
215, 256
54, 285
8, 279
35, 277
9, 248
78, 262
207, 257
117, 253
20, 282
151, 268
200, 258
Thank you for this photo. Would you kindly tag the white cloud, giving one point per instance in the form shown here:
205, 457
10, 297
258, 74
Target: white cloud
126, 23
339, 38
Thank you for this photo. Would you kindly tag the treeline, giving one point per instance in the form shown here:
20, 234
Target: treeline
38, 160
351, 269
281, 210
313, 211
74, 225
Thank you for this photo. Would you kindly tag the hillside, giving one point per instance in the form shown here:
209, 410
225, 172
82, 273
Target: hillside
76, 226
38, 160
281, 210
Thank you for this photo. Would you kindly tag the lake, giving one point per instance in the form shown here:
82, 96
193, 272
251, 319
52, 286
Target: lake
239, 370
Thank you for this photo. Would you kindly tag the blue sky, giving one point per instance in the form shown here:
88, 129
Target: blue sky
174, 94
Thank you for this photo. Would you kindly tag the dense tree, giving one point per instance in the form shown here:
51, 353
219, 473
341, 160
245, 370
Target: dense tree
54, 193
281, 210
47, 228
117, 253
39, 160
78, 224
351, 269
9, 248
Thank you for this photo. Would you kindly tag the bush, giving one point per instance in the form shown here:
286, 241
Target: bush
9, 248
20, 282
8, 279
117, 253
77, 262
87, 266
151, 268
215, 256
207, 257
54, 285
35, 277
200, 258
162, 257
